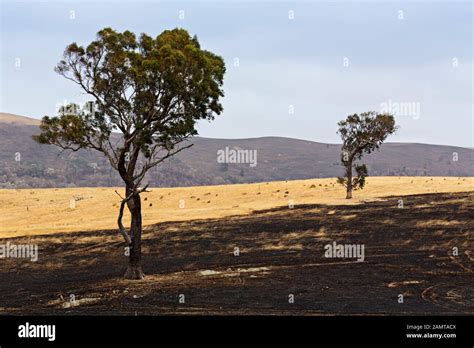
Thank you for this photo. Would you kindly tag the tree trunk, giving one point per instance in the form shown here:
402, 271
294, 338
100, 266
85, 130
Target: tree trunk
349, 180
134, 269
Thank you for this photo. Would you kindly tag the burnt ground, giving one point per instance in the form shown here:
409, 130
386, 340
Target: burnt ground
408, 251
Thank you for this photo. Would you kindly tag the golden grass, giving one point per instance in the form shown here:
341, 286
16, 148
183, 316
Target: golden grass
26, 212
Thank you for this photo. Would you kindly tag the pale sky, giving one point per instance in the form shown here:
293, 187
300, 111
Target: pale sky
296, 77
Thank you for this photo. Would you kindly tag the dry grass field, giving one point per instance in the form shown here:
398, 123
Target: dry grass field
27, 212
190, 251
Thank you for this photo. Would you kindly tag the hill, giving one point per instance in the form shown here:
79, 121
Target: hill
27, 164
17, 120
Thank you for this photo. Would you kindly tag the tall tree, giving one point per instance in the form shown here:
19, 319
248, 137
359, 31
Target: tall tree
146, 96
361, 134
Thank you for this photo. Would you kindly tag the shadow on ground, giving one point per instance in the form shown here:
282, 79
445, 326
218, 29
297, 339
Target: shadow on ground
409, 251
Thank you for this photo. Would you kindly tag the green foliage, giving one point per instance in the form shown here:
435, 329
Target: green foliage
358, 181
365, 132
151, 90
69, 130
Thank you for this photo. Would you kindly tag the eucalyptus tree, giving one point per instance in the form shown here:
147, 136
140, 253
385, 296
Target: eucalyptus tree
361, 133
146, 96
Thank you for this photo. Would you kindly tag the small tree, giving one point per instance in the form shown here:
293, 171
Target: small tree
361, 134
147, 95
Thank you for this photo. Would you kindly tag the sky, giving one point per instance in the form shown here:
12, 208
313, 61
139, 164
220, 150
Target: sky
294, 68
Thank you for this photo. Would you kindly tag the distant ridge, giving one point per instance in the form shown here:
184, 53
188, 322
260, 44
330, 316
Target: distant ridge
17, 119
25, 163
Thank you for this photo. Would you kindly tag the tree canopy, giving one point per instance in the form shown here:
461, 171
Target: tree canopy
365, 132
152, 90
